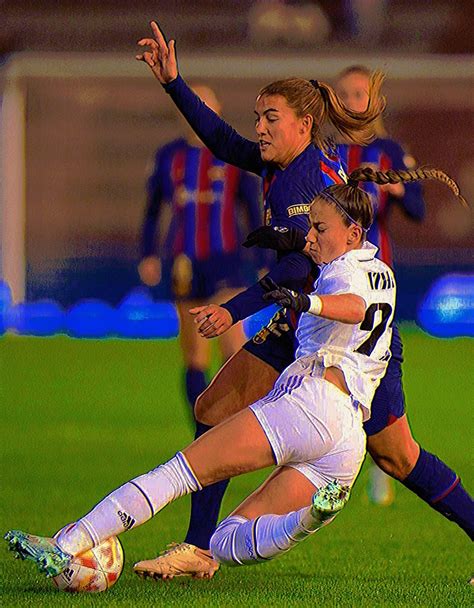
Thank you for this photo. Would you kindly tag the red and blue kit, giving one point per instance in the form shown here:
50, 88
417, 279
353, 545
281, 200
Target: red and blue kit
203, 205
287, 192
204, 195
384, 154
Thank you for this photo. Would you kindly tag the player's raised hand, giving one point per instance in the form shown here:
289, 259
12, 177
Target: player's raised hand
299, 302
213, 320
160, 55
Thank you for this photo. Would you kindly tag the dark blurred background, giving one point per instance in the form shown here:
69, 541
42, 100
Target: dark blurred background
81, 120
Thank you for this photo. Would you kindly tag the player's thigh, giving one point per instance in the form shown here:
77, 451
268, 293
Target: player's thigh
236, 446
286, 490
388, 404
394, 449
231, 341
195, 348
240, 382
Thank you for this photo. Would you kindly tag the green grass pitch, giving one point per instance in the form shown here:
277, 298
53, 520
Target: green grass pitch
80, 417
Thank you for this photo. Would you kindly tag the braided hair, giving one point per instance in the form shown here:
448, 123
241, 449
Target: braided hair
396, 176
354, 205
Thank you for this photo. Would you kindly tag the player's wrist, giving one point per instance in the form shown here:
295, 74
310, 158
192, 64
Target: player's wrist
315, 305
171, 82
232, 312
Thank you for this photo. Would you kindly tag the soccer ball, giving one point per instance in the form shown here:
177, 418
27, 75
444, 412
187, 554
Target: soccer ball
94, 570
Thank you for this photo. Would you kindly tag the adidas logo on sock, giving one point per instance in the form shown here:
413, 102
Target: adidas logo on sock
127, 520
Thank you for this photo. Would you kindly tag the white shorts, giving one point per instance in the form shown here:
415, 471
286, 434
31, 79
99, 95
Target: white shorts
312, 426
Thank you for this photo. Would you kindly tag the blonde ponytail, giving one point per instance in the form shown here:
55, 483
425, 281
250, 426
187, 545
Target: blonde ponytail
357, 127
321, 101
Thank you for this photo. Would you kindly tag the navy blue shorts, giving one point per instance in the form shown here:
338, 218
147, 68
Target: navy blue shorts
275, 344
388, 404
187, 279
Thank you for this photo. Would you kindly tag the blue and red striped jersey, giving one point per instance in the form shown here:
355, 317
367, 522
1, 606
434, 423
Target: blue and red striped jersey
385, 154
287, 193
208, 199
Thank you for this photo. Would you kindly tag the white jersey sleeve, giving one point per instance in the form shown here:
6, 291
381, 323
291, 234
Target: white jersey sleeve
361, 351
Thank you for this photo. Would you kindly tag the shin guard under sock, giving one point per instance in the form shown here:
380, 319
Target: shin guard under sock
238, 541
440, 487
130, 505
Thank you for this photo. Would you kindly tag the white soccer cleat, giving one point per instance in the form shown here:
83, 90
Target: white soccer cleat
180, 559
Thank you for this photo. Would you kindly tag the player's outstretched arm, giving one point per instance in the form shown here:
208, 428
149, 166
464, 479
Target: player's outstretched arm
160, 55
223, 141
345, 308
213, 320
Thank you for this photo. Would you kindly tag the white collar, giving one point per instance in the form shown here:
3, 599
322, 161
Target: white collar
367, 252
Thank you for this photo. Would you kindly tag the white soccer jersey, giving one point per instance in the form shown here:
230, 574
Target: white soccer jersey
360, 351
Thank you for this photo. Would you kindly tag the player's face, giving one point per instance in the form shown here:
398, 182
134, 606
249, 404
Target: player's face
282, 135
328, 236
353, 89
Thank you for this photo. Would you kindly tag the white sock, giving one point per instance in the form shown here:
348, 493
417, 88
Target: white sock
131, 505
238, 541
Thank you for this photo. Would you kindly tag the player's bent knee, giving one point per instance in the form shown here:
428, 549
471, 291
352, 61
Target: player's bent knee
212, 409
397, 466
203, 408
222, 541
196, 361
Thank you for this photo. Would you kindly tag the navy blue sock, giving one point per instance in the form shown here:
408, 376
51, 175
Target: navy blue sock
195, 384
439, 486
205, 507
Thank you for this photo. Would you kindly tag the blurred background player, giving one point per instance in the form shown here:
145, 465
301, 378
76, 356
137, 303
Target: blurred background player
191, 238
383, 153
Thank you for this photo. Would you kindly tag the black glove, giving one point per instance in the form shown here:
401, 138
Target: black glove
299, 302
280, 238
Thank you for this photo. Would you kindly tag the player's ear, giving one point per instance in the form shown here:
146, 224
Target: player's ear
355, 234
306, 123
